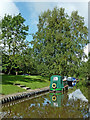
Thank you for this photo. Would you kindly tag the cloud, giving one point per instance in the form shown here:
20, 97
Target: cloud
81, 7
41, 7
51, 0
87, 49
8, 7
36, 9
73, 0
68, 7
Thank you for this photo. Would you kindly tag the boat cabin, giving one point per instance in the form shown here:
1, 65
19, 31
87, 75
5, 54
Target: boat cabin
57, 83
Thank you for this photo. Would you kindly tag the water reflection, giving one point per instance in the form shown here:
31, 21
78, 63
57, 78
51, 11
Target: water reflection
77, 94
56, 99
46, 107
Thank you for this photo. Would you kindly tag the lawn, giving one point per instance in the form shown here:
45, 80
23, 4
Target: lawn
33, 82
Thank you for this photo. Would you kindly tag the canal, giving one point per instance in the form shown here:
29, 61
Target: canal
46, 105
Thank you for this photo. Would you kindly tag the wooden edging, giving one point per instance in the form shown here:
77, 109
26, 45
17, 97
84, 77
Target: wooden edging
17, 96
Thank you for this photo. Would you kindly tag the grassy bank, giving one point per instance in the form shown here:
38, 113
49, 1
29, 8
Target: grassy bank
32, 82
82, 85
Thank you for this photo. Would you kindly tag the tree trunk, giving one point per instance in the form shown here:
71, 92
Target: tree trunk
16, 73
9, 72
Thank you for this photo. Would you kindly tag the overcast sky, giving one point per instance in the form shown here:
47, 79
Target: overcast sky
31, 10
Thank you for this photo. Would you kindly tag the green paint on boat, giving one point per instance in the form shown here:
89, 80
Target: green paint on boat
56, 83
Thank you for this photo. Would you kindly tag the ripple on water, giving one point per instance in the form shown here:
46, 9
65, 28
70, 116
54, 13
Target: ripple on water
45, 107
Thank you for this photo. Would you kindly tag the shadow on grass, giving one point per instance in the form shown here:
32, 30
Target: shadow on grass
33, 80
11, 79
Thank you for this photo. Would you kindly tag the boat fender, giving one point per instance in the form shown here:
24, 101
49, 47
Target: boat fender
54, 85
54, 98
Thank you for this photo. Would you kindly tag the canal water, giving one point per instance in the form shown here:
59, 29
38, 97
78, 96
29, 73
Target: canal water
47, 105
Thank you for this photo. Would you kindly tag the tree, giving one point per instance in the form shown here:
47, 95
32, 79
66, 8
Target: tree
84, 68
58, 43
27, 62
14, 33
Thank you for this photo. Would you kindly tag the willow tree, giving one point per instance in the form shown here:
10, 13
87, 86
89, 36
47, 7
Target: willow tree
58, 43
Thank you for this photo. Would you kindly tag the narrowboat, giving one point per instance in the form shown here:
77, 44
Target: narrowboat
71, 81
74, 81
65, 83
57, 84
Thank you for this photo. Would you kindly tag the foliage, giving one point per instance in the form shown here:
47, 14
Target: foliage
58, 43
82, 85
13, 35
57, 46
84, 69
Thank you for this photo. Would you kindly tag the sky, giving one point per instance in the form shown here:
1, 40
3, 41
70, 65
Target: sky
31, 10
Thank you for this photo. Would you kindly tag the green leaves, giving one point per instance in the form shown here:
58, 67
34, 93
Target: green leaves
57, 46
14, 33
59, 41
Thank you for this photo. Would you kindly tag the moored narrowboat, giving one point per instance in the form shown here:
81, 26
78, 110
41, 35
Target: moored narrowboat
72, 81
57, 84
65, 83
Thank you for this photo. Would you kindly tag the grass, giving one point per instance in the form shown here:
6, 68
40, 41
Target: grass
9, 89
33, 82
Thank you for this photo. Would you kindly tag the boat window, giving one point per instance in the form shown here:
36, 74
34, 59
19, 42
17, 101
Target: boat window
55, 78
